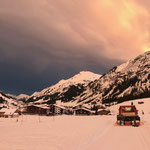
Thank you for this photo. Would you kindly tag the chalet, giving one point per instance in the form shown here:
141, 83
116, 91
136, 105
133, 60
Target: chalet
9, 112
83, 111
2, 113
68, 111
36, 110
57, 109
15, 115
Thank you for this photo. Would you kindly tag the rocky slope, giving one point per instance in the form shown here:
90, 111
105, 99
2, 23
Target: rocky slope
130, 80
65, 91
7, 101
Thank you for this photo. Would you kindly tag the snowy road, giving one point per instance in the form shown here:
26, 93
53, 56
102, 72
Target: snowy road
72, 133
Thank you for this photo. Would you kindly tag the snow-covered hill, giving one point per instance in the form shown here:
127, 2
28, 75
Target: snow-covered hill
64, 90
22, 97
7, 101
130, 80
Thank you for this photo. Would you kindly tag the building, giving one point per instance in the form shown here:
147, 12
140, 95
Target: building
15, 115
68, 111
57, 109
36, 110
2, 113
83, 111
9, 112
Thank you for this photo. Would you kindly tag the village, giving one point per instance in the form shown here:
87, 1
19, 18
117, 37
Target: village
52, 110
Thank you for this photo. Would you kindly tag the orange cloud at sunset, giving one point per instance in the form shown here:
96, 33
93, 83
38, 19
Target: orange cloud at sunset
125, 26
58, 38
119, 26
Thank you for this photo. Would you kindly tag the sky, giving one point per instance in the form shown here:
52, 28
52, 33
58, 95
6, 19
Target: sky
44, 41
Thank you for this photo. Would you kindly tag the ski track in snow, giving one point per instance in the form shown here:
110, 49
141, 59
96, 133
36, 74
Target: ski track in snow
118, 138
99, 133
143, 133
142, 139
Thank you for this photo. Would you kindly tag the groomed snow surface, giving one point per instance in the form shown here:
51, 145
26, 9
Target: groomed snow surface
75, 132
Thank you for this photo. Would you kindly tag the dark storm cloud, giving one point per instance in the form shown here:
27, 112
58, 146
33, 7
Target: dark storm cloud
43, 41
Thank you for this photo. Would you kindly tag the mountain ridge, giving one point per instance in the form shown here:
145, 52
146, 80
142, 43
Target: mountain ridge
125, 82
64, 90
128, 81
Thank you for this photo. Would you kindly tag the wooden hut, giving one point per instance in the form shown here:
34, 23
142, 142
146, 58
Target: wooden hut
2, 113
36, 109
9, 112
15, 115
57, 109
83, 111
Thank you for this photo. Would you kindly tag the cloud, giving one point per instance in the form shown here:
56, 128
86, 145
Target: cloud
56, 39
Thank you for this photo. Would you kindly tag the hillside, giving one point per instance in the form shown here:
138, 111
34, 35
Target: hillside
7, 101
65, 90
125, 82
122, 83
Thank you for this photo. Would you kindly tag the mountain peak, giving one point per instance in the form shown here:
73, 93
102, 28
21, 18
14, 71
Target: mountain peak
141, 62
83, 78
127, 81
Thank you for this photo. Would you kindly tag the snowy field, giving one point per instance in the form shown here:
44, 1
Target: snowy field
75, 132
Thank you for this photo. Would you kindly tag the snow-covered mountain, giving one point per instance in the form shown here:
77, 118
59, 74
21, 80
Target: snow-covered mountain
22, 97
130, 80
64, 90
7, 101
